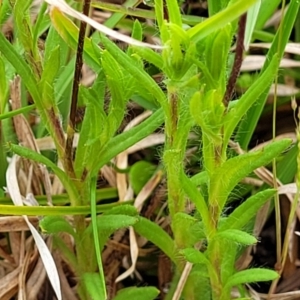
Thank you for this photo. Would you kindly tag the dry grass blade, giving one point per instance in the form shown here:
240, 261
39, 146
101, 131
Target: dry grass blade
64, 7
14, 191
256, 62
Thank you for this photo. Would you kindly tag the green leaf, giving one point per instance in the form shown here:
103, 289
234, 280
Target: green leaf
120, 87
252, 16
200, 178
141, 293
5, 11
124, 209
234, 116
174, 12
92, 282
237, 236
248, 124
139, 174
216, 22
51, 67
267, 10
63, 88
129, 65
53, 210
194, 256
3, 86
128, 138
149, 55
24, 28
90, 143
107, 224
41, 24
69, 32
216, 55
246, 211
207, 111
196, 197
226, 177
137, 30
251, 275
55, 40
65, 180
101, 279
182, 225
287, 168
155, 234
21, 67
56, 224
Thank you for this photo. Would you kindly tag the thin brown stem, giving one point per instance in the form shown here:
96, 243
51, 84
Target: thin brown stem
237, 60
75, 89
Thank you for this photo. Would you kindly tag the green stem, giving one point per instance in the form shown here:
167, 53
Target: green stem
173, 155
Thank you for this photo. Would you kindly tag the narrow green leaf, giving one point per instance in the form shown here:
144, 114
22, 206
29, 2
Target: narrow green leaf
53, 210
124, 209
149, 55
114, 222
116, 17
174, 12
126, 62
56, 224
267, 10
219, 20
3, 86
251, 275
51, 67
69, 32
65, 180
246, 211
137, 31
93, 285
100, 282
54, 40
128, 138
108, 224
200, 178
155, 234
5, 11
140, 173
16, 112
195, 256
250, 24
216, 55
120, 89
237, 236
141, 293
63, 87
23, 25
182, 225
21, 67
287, 167
248, 124
226, 177
90, 143
234, 116
196, 197
41, 24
